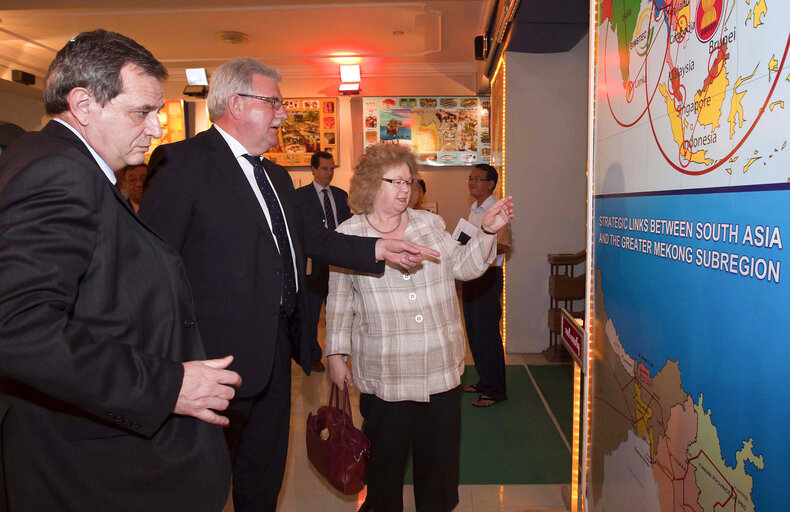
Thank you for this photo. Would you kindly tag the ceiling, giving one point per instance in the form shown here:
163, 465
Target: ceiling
394, 39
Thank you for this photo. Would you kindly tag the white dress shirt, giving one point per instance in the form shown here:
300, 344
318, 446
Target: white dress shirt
476, 214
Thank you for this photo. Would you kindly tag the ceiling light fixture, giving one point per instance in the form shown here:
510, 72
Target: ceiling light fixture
233, 37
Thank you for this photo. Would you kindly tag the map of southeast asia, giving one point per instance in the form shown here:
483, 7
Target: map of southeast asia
689, 359
697, 78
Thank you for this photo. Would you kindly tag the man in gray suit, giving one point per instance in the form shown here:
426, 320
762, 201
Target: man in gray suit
106, 399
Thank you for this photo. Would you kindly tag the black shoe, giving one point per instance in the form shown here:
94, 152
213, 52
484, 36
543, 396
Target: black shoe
317, 366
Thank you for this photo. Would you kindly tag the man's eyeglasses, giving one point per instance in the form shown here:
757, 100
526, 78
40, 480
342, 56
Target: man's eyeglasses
476, 180
276, 103
398, 182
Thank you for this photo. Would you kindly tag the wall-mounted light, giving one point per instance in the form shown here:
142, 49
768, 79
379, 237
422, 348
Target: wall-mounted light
348, 89
350, 74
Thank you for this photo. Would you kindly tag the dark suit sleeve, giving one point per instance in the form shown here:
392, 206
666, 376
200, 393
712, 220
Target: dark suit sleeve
49, 223
330, 247
167, 201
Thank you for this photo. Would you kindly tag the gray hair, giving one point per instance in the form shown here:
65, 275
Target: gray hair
235, 76
94, 60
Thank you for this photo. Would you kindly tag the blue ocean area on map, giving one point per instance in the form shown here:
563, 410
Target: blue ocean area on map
665, 309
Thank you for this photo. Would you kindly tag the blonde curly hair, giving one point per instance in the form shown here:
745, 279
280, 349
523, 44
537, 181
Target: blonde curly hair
375, 161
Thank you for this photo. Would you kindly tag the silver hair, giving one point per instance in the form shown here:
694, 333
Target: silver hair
235, 76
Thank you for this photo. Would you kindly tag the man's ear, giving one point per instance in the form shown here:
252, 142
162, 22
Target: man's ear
81, 103
235, 108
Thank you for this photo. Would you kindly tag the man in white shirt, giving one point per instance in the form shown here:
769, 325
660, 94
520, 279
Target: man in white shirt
482, 299
321, 202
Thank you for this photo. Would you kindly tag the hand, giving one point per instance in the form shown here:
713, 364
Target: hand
402, 253
339, 371
498, 215
206, 388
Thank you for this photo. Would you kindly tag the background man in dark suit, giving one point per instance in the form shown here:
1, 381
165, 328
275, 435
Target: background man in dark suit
323, 203
239, 227
96, 316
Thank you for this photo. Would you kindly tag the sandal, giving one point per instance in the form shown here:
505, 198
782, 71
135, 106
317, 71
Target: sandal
470, 389
486, 401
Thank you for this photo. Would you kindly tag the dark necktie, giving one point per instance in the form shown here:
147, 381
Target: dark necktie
288, 297
330, 217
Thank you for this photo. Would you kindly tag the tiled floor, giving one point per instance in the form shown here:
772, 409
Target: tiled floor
305, 491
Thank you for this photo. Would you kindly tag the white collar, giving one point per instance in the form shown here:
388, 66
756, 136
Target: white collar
235, 146
102, 164
490, 200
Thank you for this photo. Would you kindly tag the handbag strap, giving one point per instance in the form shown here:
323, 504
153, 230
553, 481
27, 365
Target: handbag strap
334, 398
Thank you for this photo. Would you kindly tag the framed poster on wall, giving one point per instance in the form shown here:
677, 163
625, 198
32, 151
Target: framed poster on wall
311, 126
440, 130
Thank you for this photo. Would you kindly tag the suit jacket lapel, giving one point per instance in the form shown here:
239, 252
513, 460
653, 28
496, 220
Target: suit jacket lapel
227, 165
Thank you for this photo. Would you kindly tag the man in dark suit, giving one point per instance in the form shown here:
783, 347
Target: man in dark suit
238, 225
324, 203
98, 408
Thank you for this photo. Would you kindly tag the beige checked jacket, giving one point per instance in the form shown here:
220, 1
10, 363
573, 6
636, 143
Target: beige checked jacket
403, 328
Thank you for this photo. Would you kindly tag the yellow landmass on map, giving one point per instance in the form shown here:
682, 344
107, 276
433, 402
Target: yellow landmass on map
775, 103
759, 11
425, 139
682, 20
710, 113
677, 130
720, 485
643, 415
750, 162
773, 64
736, 108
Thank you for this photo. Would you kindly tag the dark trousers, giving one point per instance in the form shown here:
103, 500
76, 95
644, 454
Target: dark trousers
317, 291
431, 432
482, 313
258, 435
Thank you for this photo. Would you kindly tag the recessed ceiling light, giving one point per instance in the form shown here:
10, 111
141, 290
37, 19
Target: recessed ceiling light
397, 32
233, 37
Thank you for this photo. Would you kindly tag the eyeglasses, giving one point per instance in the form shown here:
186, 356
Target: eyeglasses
399, 182
476, 180
276, 103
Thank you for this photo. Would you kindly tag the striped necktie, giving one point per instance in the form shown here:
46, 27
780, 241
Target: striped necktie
330, 216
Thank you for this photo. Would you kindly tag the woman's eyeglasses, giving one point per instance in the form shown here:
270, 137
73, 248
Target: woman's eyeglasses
398, 182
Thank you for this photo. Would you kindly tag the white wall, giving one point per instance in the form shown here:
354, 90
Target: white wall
22, 105
546, 159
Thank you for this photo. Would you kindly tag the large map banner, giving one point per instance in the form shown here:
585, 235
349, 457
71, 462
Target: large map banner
690, 216
440, 130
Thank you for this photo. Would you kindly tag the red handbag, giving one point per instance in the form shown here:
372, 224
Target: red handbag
335, 448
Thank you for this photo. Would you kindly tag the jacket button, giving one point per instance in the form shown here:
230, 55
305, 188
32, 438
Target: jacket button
189, 323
